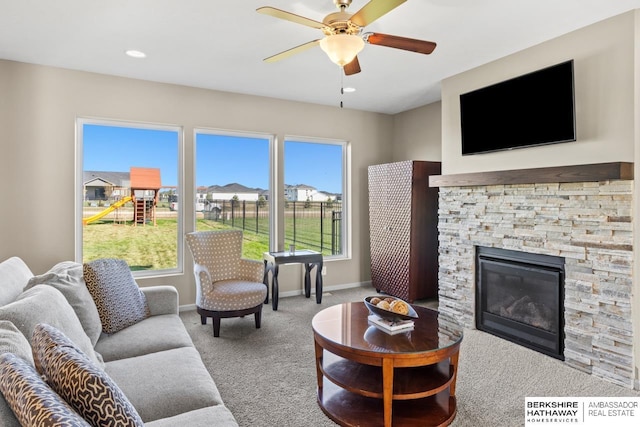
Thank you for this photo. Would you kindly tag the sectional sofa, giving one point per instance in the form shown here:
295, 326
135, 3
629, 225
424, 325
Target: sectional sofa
152, 361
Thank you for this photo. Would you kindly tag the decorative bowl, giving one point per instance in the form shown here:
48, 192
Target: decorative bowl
387, 314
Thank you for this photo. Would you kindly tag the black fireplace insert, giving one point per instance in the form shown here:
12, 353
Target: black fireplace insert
520, 297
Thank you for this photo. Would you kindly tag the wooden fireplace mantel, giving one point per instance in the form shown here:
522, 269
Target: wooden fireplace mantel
576, 173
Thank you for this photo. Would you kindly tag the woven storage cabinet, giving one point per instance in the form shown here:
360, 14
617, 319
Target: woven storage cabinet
403, 229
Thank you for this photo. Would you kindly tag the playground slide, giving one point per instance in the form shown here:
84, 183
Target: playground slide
111, 208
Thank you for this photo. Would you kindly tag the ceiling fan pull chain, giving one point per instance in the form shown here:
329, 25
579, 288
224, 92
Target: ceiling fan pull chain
341, 87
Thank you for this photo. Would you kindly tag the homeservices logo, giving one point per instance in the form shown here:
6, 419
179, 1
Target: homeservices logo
582, 411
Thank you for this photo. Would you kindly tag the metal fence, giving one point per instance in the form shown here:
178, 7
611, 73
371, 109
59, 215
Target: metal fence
309, 225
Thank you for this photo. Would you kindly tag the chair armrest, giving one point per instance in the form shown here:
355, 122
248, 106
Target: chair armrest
161, 299
203, 282
251, 270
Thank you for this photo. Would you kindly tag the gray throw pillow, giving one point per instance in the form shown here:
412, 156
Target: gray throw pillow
67, 277
46, 304
31, 399
119, 300
15, 274
82, 384
12, 341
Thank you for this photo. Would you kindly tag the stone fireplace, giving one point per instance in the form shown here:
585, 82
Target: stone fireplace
582, 214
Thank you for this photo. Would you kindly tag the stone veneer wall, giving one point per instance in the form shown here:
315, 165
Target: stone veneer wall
588, 223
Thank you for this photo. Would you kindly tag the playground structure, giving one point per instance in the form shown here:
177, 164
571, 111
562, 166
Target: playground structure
145, 192
120, 203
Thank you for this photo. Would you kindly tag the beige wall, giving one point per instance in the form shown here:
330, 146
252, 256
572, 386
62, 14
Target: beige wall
603, 56
38, 109
418, 134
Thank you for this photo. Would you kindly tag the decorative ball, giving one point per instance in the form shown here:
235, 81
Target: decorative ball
400, 307
384, 305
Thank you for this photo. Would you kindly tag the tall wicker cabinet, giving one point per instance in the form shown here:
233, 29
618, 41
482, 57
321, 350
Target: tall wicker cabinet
403, 229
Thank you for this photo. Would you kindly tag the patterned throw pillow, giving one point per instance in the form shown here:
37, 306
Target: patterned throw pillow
116, 294
31, 399
83, 385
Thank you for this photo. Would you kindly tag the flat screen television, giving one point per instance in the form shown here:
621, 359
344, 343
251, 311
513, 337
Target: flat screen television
533, 109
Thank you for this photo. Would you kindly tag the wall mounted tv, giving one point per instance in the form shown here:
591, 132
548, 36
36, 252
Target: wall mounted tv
533, 109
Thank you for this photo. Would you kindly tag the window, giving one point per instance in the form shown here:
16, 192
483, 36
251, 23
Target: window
232, 186
314, 208
129, 174
129, 186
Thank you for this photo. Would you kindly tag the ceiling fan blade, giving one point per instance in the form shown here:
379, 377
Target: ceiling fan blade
352, 67
374, 10
290, 52
419, 46
277, 13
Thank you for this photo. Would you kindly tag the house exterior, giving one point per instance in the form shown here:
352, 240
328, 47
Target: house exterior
201, 194
304, 193
105, 185
233, 191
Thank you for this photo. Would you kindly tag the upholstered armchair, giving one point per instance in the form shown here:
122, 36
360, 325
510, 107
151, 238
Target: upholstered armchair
227, 285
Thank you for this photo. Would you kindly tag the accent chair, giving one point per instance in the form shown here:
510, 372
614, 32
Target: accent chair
227, 285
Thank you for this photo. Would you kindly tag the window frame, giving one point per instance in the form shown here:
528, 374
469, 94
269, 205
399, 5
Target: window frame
78, 227
345, 224
272, 202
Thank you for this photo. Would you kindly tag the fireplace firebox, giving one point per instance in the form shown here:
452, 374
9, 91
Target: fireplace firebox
520, 297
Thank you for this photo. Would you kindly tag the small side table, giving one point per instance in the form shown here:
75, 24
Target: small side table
310, 259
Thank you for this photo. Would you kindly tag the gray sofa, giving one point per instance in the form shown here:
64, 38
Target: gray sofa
153, 361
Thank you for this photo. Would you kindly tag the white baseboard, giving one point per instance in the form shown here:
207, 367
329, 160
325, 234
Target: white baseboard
187, 307
325, 288
191, 307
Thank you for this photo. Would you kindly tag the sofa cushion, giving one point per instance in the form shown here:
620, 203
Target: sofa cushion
33, 402
67, 277
13, 341
116, 294
15, 274
82, 384
45, 304
6, 414
218, 416
166, 383
156, 333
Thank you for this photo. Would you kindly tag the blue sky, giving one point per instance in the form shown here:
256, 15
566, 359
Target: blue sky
220, 159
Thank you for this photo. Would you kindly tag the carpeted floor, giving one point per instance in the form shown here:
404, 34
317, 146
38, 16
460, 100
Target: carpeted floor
267, 376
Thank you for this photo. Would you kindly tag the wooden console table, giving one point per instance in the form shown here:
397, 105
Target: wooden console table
367, 377
310, 259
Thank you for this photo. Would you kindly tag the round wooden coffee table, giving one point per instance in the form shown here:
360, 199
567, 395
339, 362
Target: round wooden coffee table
368, 377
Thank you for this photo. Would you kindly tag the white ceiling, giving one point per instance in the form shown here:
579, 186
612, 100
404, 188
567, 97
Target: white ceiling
220, 44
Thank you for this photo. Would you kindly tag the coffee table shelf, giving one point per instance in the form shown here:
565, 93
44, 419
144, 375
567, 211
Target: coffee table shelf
408, 383
351, 409
367, 377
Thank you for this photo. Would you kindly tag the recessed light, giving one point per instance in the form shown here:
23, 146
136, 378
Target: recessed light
349, 89
136, 54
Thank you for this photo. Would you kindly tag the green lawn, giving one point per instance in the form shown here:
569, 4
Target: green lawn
253, 245
155, 248
152, 248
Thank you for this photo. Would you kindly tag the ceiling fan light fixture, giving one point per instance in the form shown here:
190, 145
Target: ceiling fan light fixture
342, 48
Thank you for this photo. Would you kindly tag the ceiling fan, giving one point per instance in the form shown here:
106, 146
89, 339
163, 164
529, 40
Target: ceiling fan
343, 38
